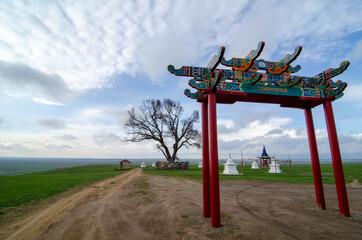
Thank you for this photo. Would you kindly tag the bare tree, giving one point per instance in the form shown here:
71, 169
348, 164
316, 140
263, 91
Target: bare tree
161, 122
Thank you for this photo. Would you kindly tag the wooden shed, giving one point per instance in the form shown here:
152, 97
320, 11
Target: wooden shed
124, 164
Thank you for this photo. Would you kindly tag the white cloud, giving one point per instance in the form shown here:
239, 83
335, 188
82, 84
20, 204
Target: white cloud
7, 145
45, 101
356, 53
53, 49
120, 115
359, 136
105, 138
15, 95
34, 99
67, 137
20, 75
353, 93
90, 113
52, 123
104, 141
86, 45
319, 26
257, 128
104, 114
228, 123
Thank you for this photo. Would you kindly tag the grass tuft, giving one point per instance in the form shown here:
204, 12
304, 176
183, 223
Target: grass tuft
141, 183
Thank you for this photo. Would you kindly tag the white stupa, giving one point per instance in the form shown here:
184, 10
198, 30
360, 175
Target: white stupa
254, 165
274, 167
143, 165
230, 167
154, 164
200, 164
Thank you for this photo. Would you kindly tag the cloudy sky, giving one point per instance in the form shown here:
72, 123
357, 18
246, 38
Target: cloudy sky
69, 70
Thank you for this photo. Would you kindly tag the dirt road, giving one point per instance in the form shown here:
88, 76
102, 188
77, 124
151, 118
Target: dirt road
140, 206
32, 226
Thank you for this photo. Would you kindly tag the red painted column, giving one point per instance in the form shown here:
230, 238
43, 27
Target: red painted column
318, 184
214, 163
336, 160
205, 160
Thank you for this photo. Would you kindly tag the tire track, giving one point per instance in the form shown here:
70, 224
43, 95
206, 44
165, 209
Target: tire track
275, 224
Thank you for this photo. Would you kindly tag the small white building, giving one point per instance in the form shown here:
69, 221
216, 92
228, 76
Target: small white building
254, 165
230, 167
200, 164
143, 165
274, 167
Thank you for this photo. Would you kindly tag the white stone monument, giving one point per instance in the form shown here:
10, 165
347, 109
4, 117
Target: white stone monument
254, 165
230, 167
274, 167
154, 164
200, 164
143, 165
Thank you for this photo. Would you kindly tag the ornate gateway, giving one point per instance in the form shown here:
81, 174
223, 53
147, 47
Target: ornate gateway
256, 80
244, 80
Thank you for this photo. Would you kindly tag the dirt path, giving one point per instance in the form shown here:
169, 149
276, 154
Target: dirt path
34, 225
140, 206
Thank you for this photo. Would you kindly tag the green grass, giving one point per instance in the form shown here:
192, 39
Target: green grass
28, 168
302, 174
34, 187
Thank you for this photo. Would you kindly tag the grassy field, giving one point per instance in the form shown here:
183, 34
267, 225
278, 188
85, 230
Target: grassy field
30, 189
27, 168
34, 187
298, 174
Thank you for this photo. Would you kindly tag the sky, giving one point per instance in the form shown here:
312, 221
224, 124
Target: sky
70, 70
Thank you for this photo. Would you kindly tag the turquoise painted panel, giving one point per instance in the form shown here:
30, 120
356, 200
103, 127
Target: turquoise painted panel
271, 90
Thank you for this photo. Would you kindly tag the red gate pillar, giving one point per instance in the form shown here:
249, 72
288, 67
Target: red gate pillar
336, 160
214, 163
318, 185
205, 160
